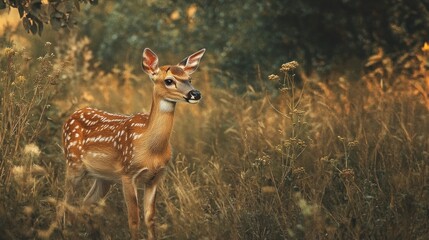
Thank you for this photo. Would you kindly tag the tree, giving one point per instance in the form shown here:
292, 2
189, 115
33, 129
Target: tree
61, 14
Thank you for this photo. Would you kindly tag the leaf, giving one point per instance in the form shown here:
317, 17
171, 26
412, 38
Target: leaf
2, 4
250, 89
39, 26
61, 7
69, 6
375, 58
35, 6
77, 5
58, 15
33, 28
21, 11
55, 23
26, 24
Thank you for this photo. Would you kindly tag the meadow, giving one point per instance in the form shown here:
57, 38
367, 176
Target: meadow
285, 155
307, 160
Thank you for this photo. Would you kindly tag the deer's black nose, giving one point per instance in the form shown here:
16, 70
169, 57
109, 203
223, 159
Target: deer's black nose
194, 95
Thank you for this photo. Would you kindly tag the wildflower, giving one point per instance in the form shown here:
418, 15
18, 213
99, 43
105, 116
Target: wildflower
22, 177
348, 174
352, 144
9, 52
305, 207
32, 150
273, 77
18, 171
175, 15
298, 171
425, 47
28, 210
46, 234
284, 89
286, 67
20, 79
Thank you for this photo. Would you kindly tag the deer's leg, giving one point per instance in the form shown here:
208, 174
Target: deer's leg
149, 205
149, 209
130, 195
98, 190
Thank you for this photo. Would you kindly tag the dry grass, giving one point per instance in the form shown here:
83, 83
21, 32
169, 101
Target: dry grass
307, 160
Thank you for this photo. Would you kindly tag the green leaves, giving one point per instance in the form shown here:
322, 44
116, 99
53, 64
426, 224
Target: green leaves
32, 24
61, 14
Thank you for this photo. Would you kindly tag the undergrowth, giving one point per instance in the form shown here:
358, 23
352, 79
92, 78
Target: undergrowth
296, 160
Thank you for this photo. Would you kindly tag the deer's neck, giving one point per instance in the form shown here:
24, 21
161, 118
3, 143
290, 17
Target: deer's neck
160, 124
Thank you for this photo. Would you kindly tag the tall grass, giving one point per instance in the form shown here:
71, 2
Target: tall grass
296, 160
27, 86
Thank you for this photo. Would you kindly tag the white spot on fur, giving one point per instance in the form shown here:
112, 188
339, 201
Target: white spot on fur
137, 136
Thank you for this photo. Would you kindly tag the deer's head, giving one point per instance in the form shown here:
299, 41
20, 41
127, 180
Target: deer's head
173, 82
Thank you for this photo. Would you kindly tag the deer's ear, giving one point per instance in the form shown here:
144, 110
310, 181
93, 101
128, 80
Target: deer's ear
150, 62
190, 64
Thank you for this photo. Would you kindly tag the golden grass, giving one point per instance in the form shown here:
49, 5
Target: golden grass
292, 160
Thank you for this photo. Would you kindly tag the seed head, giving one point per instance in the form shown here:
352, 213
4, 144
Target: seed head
32, 150
273, 77
286, 67
20, 79
9, 52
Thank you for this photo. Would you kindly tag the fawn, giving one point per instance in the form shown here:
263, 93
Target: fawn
120, 148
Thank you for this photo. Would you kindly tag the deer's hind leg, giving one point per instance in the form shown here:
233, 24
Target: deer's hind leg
99, 190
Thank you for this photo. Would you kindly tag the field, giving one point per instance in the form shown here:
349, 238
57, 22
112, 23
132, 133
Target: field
284, 155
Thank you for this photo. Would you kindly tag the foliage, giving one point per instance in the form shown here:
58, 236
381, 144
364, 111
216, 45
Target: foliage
242, 35
299, 161
243, 38
27, 87
61, 14
25, 99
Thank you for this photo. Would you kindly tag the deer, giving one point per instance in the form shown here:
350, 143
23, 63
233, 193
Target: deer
129, 149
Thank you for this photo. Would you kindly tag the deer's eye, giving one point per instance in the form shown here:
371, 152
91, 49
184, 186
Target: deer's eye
168, 82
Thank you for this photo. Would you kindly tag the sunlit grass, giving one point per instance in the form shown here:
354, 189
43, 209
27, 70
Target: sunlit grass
292, 160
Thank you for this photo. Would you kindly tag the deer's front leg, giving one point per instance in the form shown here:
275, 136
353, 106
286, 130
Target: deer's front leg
149, 208
149, 203
130, 195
